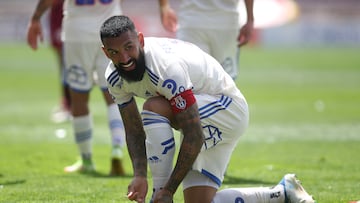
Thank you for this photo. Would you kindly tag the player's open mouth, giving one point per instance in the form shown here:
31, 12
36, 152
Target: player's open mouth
129, 66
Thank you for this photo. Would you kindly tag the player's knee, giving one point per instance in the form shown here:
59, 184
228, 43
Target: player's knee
159, 105
155, 104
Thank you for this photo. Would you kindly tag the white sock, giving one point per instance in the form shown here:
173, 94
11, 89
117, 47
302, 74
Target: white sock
83, 135
160, 147
116, 126
246, 195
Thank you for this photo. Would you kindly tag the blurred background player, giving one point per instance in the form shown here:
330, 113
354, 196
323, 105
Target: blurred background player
212, 25
85, 64
63, 112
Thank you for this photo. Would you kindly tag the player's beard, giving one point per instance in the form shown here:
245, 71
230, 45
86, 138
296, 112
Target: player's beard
134, 75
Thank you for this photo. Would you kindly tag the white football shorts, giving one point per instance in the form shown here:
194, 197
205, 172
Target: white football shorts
223, 120
85, 65
220, 44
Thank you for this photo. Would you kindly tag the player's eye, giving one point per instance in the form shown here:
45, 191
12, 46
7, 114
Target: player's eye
128, 48
113, 52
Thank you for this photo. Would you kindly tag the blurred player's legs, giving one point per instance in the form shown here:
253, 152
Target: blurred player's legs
86, 66
83, 130
61, 113
117, 136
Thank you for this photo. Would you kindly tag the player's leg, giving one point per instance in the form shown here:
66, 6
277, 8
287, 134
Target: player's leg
117, 135
256, 194
65, 89
206, 191
288, 190
160, 142
62, 113
114, 118
80, 81
220, 140
83, 129
198, 188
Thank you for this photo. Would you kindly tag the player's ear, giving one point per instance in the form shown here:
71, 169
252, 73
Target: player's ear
141, 39
105, 52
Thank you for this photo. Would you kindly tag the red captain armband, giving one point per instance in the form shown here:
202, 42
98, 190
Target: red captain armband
182, 101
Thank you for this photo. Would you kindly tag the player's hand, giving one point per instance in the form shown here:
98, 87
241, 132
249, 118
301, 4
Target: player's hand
163, 196
168, 18
245, 33
137, 189
34, 32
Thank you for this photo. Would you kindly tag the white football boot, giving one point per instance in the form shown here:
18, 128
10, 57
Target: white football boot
117, 168
294, 192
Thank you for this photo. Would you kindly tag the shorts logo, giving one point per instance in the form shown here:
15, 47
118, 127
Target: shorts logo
228, 65
212, 137
76, 75
180, 102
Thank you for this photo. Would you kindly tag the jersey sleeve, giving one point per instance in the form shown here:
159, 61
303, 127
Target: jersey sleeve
175, 81
115, 84
177, 87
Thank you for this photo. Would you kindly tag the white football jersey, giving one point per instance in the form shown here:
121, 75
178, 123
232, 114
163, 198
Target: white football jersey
173, 66
214, 14
83, 18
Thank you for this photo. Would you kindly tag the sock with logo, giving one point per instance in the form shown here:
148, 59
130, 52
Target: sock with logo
160, 147
256, 194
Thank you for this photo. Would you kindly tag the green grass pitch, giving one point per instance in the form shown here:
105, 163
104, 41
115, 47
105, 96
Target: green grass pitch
305, 119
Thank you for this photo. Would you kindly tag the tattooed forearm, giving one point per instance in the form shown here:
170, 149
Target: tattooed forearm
41, 7
189, 122
135, 138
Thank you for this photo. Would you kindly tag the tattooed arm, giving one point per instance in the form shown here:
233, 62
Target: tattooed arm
135, 140
189, 123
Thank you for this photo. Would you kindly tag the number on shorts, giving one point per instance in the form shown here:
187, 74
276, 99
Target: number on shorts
91, 2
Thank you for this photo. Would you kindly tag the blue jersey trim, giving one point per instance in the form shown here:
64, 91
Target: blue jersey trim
153, 78
113, 78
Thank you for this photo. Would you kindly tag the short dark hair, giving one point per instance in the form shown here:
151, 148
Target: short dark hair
115, 26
